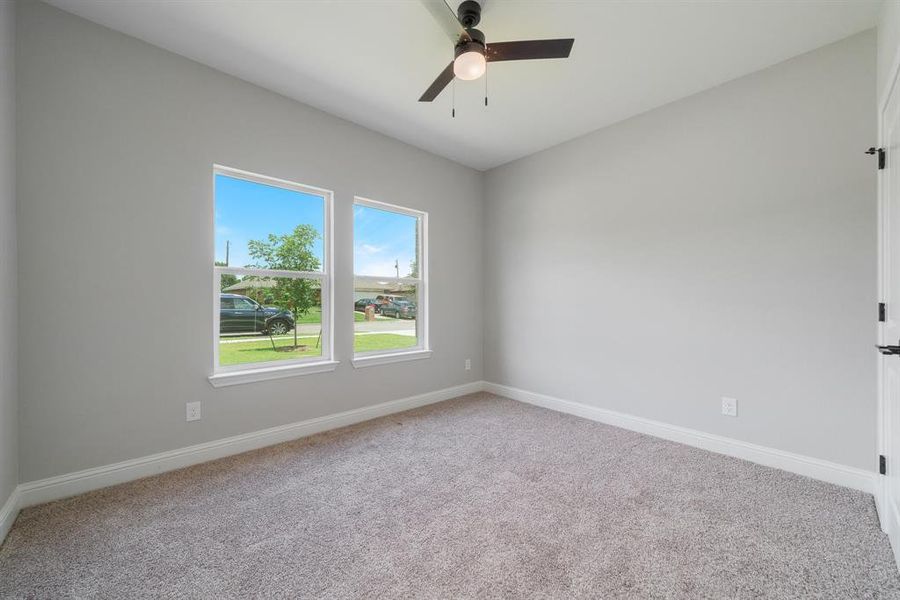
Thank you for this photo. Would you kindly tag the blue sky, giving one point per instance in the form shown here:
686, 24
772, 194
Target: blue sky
380, 238
247, 210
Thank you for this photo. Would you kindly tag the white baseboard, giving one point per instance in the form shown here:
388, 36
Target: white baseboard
8, 513
71, 484
822, 470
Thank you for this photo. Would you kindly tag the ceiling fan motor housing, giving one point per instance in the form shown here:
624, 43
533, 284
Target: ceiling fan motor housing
469, 13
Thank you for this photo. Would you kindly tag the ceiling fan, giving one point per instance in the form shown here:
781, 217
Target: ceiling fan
472, 53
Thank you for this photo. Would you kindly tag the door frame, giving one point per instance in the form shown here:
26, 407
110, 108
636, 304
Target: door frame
885, 505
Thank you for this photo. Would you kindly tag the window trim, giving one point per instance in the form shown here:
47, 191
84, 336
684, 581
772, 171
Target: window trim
249, 372
385, 357
278, 372
423, 348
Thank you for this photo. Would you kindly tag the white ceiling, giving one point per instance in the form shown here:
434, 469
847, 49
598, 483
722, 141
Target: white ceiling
368, 61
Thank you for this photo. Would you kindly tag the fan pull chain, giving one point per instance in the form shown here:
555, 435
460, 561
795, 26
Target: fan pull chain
453, 110
485, 87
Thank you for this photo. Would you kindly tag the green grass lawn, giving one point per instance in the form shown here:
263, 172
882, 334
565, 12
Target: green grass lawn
315, 316
261, 350
382, 341
238, 353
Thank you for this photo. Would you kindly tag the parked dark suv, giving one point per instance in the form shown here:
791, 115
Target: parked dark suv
240, 314
401, 309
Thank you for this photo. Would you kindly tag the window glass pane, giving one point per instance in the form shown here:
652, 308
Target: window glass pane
268, 227
385, 316
244, 304
265, 319
384, 243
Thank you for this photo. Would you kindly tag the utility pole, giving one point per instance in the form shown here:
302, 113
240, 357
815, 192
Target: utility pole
227, 249
397, 267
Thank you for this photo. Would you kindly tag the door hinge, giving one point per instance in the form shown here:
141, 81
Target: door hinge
882, 465
881, 312
880, 152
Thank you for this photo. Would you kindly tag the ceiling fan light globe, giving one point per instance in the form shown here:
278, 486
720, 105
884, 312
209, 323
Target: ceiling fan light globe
469, 65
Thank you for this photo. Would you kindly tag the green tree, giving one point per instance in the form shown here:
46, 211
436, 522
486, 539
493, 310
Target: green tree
227, 278
290, 252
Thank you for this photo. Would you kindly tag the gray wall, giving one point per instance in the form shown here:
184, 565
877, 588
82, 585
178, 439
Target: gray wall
9, 475
723, 245
888, 43
117, 140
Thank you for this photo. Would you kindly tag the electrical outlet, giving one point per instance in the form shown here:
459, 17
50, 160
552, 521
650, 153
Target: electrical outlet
193, 411
468, 364
729, 407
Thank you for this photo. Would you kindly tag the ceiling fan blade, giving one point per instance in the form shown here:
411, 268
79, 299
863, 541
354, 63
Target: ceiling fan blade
439, 84
527, 50
446, 18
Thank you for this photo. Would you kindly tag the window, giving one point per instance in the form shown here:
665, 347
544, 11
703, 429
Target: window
390, 283
272, 278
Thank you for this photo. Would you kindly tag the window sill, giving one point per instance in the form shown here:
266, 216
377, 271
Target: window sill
384, 359
264, 374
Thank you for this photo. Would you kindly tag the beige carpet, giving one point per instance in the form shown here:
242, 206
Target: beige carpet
475, 497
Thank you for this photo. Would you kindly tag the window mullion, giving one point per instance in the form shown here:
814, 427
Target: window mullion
392, 279
272, 273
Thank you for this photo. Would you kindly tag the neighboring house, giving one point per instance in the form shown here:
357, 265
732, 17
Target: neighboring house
365, 288
253, 288
258, 289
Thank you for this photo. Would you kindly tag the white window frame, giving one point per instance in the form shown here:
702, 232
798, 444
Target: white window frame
423, 347
246, 373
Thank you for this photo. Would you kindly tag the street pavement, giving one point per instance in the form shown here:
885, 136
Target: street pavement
380, 325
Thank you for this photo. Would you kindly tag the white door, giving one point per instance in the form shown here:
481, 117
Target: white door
889, 330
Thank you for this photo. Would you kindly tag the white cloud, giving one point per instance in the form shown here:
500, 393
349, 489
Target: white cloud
369, 249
